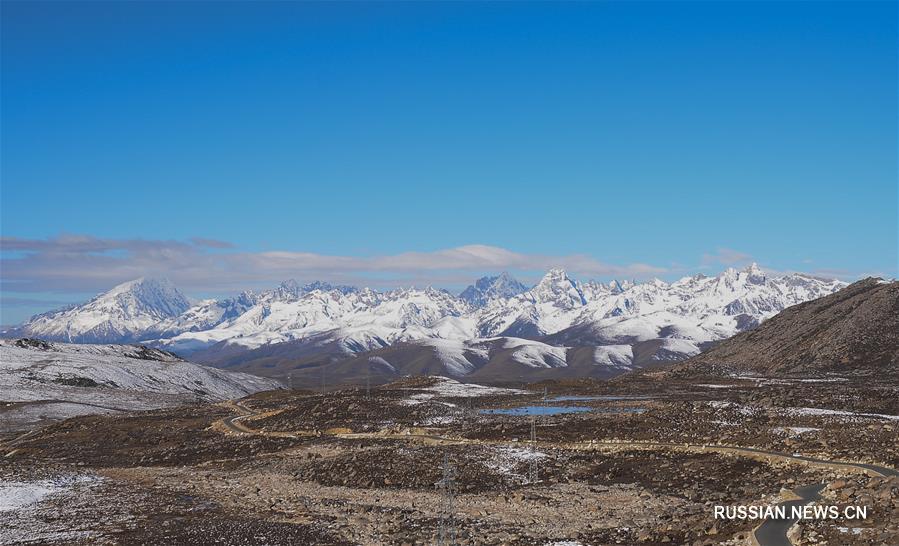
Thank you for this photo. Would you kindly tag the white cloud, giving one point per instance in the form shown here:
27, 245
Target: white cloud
78, 263
727, 257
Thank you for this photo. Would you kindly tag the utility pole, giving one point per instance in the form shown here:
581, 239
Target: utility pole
367, 380
323, 379
468, 414
533, 474
446, 535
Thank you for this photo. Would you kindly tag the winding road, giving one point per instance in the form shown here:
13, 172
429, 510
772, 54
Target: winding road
773, 531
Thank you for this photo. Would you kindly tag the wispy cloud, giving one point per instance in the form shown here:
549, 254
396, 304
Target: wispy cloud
726, 257
210, 243
77, 263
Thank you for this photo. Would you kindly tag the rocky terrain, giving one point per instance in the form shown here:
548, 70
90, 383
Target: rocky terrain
640, 459
636, 462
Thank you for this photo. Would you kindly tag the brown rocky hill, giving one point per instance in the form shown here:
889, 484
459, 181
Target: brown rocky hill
854, 330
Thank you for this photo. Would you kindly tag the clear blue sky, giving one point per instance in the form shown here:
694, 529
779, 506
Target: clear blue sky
652, 133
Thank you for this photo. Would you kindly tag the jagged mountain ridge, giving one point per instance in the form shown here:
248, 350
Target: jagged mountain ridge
487, 289
621, 324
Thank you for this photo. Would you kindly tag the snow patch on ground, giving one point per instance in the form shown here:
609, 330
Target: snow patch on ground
438, 420
18, 495
739, 408
450, 387
66, 380
838, 413
22, 520
29, 374
794, 431
774, 381
507, 460
416, 399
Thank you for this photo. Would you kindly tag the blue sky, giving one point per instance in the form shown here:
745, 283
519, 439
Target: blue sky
617, 139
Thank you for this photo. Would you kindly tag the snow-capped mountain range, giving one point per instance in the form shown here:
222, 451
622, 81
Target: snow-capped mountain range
540, 325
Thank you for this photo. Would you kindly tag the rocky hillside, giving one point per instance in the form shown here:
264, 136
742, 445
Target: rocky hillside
42, 381
853, 330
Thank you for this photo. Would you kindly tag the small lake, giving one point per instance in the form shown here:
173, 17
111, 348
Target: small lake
555, 410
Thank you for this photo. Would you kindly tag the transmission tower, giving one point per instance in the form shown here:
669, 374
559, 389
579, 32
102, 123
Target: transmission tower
446, 535
533, 471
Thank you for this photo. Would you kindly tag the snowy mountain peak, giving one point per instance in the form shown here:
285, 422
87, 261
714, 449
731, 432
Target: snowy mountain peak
327, 287
749, 275
557, 288
125, 312
291, 290
143, 296
753, 268
754, 274
485, 289
555, 274
290, 286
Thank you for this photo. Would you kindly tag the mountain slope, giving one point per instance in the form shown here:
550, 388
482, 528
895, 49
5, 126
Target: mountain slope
853, 330
41, 380
492, 359
546, 308
125, 313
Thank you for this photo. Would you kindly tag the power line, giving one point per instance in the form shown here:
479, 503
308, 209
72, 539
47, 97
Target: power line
446, 535
533, 474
